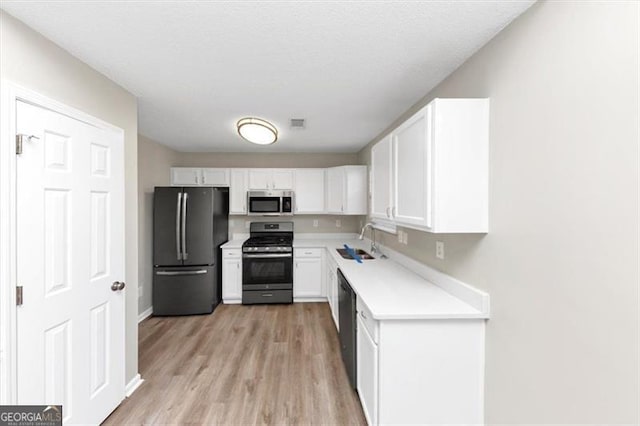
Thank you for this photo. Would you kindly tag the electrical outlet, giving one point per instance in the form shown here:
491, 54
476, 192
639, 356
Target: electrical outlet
247, 224
231, 223
338, 223
140, 291
315, 223
405, 238
439, 249
400, 236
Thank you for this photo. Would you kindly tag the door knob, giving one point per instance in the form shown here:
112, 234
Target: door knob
117, 285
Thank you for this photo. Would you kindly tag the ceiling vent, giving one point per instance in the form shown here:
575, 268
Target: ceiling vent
297, 123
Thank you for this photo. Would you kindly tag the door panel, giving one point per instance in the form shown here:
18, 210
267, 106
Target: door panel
198, 226
70, 249
381, 185
166, 226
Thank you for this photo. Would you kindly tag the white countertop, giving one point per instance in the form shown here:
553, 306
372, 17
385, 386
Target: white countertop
390, 290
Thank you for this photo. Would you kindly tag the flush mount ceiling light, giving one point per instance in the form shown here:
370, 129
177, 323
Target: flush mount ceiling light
257, 131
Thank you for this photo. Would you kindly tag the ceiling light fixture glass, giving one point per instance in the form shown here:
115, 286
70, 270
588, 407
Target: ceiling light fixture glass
257, 131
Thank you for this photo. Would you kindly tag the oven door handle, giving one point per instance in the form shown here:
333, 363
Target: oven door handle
266, 255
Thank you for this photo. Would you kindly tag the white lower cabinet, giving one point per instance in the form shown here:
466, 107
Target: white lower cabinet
422, 371
231, 276
307, 274
331, 280
367, 382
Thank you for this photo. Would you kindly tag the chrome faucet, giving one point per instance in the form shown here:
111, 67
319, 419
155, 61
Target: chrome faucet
374, 247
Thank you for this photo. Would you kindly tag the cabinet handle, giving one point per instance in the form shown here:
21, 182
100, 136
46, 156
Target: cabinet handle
363, 315
238, 265
196, 178
388, 214
393, 211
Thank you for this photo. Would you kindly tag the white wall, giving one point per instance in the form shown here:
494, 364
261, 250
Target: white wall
561, 258
30, 60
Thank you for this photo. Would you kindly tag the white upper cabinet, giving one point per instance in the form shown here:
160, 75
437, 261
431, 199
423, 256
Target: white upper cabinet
309, 191
438, 169
347, 190
266, 179
196, 176
185, 176
215, 177
380, 173
238, 191
412, 172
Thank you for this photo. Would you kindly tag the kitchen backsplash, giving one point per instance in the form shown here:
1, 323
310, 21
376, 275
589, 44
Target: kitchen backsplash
301, 223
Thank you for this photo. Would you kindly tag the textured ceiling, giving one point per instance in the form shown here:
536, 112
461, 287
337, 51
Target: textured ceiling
349, 68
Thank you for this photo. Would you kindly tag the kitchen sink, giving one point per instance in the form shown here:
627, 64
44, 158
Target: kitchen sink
363, 254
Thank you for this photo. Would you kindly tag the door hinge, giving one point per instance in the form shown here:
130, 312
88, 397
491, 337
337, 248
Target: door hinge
19, 140
19, 295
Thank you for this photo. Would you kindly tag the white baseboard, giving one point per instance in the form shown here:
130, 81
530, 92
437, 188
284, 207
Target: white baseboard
145, 314
309, 299
232, 302
133, 385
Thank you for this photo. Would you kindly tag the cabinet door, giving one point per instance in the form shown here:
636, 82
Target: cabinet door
367, 373
259, 179
215, 177
307, 278
381, 185
309, 191
185, 176
282, 179
412, 159
231, 280
238, 191
335, 190
355, 190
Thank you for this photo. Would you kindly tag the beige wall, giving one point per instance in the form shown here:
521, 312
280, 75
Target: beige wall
246, 159
561, 258
154, 161
303, 223
36, 63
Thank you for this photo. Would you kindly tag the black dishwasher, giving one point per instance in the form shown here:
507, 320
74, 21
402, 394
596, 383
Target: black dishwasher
347, 316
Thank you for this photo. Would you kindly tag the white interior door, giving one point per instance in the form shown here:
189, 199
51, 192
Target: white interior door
70, 249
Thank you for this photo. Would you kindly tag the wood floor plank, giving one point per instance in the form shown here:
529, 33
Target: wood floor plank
242, 365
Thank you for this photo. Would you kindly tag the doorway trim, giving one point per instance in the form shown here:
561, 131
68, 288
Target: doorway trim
11, 94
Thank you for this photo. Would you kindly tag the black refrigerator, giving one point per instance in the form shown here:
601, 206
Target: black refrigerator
189, 226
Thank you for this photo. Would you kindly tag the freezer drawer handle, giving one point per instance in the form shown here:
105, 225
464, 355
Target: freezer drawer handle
173, 273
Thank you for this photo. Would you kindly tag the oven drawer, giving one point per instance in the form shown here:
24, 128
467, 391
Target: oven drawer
267, 296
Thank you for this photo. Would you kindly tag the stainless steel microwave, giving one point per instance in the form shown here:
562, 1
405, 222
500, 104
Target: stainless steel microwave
270, 203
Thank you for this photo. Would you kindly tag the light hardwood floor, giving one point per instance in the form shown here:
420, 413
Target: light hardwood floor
244, 365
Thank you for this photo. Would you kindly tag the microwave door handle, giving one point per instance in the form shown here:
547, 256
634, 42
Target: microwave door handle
178, 248
185, 255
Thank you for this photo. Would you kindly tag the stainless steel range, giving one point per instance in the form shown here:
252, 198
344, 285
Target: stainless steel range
267, 263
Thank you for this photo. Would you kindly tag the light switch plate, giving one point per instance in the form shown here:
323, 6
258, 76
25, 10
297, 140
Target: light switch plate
400, 232
405, 238
338, 223
315, 223
439, 249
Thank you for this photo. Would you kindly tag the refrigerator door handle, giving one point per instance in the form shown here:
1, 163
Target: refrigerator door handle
185, 255
177, 273
178, 249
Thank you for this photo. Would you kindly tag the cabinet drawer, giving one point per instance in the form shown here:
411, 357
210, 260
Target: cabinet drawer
231, 253
372, 325
307, 252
